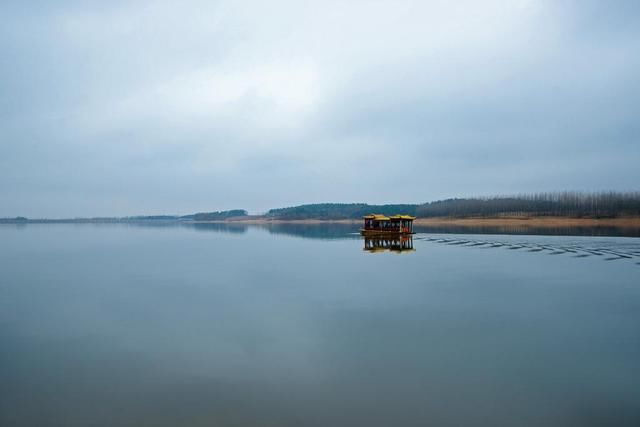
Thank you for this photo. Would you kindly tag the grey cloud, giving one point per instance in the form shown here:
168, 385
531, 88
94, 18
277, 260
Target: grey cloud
160, 107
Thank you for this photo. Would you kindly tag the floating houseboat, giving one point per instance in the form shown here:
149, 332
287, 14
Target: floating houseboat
376, 225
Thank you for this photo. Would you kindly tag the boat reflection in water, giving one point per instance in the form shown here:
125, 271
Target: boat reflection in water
398, 244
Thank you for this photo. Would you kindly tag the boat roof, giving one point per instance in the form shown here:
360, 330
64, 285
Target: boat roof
409, 217
379, 217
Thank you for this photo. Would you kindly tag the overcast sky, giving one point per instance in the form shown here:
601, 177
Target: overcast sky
121, 108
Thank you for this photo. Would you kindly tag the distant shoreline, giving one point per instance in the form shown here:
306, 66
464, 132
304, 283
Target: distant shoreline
506, 221
560, 209
541, 221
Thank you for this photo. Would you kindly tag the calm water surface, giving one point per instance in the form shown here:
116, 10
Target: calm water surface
116, 325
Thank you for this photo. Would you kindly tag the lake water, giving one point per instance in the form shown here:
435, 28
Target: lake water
210, 325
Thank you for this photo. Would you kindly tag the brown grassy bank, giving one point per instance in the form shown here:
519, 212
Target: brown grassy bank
263, 220
541, 222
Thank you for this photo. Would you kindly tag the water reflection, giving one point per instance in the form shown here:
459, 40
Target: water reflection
204, 324
325, 231
611, 231
222, 227
392, 244
330, 231
335, 230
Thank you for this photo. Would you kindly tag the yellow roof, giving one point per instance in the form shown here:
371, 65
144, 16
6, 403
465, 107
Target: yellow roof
377, 217
403, 217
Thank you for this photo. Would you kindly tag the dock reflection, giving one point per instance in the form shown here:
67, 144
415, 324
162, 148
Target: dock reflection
398, 244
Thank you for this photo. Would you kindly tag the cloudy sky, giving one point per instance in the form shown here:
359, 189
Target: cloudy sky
120, 108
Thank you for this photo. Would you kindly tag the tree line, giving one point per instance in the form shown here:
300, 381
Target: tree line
568, 203
608, 204
335, 211
217, 216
